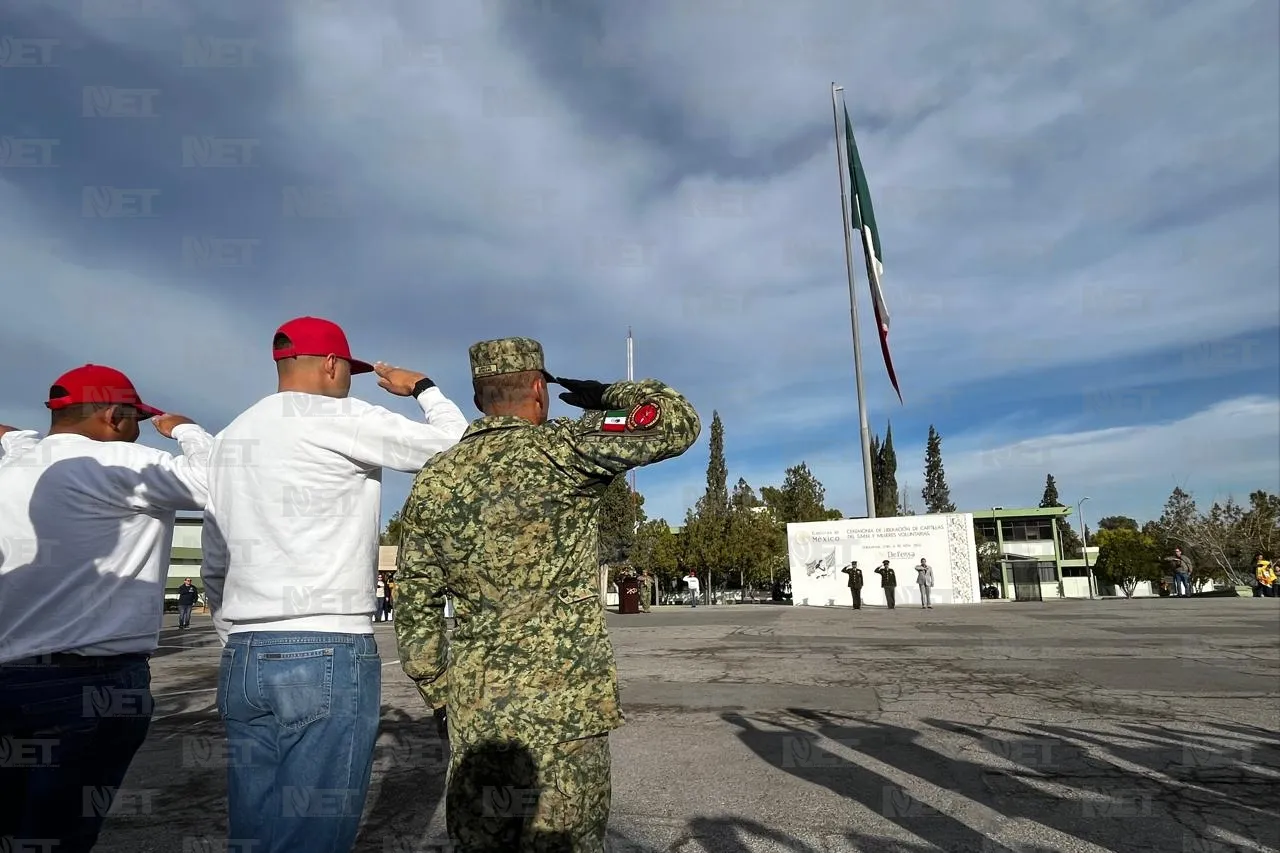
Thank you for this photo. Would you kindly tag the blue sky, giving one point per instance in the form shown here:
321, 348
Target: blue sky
1079, 208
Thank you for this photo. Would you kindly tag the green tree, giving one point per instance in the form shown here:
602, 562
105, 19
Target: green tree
1220, 541
1260, 525
395, 527
1126, 557
1216, 541
988, 559
717, 495
618, 519
1117, 522
755, 540
1050, 497
1072, 547
1179, 526
743, 496
657, 549
936, 492
801, 497
704, 539
884, 475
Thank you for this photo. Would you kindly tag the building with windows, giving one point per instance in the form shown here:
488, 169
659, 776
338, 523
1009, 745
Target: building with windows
1032, 565
184, 555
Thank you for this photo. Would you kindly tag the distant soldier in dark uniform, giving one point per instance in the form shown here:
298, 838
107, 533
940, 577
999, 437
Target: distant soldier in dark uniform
506, 523
888, 582
855, 583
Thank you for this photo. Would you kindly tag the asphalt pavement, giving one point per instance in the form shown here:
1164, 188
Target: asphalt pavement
1113, 725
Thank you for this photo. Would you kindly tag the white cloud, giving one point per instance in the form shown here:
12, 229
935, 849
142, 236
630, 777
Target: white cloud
1055, 187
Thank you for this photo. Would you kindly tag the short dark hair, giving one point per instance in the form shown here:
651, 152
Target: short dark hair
504, 390
73, 414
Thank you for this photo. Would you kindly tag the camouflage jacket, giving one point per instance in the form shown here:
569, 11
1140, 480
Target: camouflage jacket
505, 523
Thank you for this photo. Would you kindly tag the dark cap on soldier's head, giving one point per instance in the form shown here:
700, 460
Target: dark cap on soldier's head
506, 355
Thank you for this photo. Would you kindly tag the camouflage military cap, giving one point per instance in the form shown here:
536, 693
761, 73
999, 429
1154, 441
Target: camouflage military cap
506, 355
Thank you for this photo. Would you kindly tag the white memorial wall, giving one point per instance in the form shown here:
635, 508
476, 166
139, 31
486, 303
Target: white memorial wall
818, 550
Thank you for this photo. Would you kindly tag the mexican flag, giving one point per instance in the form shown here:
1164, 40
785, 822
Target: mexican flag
615, 421
864, 222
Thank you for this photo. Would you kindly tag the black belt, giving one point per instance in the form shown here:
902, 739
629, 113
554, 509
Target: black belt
71, 660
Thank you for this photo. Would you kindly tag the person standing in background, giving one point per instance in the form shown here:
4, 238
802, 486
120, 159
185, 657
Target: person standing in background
695, 587
924, 579
1266, 577
889, 583
380, 598
1182, 569
855, 583
188, 596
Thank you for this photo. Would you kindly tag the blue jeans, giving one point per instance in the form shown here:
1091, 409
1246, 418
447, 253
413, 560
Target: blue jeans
301, 711
69, 728
184, 615
1181, 583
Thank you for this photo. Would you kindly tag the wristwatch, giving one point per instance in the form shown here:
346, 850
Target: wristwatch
423, 384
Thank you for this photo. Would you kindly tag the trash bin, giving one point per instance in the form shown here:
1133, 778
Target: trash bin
629, 595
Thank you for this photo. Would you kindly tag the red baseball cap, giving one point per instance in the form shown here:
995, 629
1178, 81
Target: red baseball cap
314, 336
94, 383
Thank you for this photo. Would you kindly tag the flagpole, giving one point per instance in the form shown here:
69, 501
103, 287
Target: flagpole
864, 426
631, 378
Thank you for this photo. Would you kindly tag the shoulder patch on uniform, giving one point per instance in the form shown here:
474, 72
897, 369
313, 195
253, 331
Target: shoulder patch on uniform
644, 416
639, 419
615, 420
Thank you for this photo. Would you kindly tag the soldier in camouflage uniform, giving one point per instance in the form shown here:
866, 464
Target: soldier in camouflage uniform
505, 523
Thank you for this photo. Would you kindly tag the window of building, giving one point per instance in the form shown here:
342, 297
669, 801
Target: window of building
1027, 530
1048, 571
987, 529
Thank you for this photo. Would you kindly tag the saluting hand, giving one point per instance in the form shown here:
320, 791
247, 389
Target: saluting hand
6, 428
165, 424
583, 393
397, 380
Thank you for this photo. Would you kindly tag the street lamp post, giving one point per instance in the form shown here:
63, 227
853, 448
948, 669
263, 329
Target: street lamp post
1084, 545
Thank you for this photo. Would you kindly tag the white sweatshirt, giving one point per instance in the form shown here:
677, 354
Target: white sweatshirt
290, 538
12, 443
85, 533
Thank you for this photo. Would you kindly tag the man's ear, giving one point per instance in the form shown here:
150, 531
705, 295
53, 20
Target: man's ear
331, 366
113, 416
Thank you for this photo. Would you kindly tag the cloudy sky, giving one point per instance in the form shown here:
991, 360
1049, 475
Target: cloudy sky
1079, 206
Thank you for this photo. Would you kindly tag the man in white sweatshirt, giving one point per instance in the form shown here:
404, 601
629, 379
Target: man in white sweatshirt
290, 553
86, 525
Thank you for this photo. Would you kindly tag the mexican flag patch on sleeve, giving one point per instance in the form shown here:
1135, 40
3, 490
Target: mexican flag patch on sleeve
615, 421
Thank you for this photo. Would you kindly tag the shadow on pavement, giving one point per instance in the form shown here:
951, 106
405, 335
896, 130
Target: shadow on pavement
1150, 785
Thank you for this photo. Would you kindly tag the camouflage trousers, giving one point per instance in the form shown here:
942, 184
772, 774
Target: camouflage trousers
509, 797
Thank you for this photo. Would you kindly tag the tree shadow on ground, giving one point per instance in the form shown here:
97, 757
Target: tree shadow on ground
903, 781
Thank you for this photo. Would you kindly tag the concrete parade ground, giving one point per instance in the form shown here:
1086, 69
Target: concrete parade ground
1112, 725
